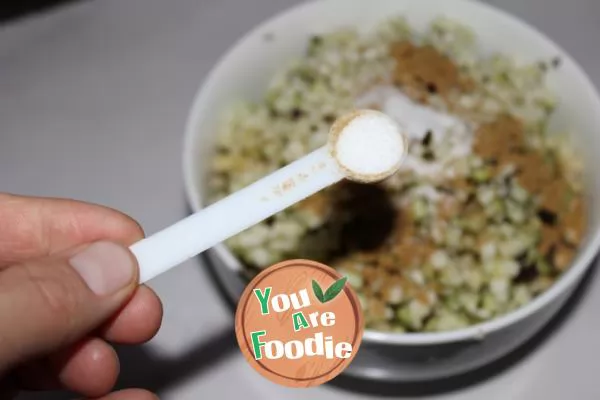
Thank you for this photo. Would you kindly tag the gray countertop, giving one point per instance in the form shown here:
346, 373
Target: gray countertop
93, 101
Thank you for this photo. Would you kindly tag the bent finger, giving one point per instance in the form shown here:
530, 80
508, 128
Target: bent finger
89, 368
138, 321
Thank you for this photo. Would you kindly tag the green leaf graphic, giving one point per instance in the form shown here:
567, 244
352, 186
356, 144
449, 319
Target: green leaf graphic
334, 289
317, 291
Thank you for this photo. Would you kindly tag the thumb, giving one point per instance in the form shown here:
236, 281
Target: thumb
49, 303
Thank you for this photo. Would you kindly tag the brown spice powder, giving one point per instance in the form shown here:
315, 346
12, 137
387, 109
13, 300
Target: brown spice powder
424, 71
503, 141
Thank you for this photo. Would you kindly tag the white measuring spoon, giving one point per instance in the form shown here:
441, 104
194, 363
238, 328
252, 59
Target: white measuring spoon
364, 146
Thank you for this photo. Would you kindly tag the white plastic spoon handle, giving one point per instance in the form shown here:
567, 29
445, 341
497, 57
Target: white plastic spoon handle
235, 213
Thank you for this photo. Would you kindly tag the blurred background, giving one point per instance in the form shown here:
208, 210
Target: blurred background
93, 100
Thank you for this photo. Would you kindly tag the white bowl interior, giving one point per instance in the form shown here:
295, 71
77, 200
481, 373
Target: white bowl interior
247, 68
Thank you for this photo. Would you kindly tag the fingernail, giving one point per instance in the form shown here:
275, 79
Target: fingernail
105, 267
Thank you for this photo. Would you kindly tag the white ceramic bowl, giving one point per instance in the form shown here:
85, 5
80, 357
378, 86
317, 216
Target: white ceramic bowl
248, 66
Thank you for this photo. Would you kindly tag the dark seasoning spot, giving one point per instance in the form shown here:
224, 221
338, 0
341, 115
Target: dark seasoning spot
445, 189
431, 88
316, 40
556, 61
269, 221
329, 118
314, 44
528, 271
427, 138
471, 198
296, 113
428, 155
372, 217
547, 217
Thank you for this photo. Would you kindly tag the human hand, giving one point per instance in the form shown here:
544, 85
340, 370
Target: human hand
68, 288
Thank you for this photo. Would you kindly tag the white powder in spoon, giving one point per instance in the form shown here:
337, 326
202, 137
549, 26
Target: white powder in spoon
368, 145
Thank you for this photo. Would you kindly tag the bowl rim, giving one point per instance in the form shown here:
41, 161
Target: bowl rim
473, 332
